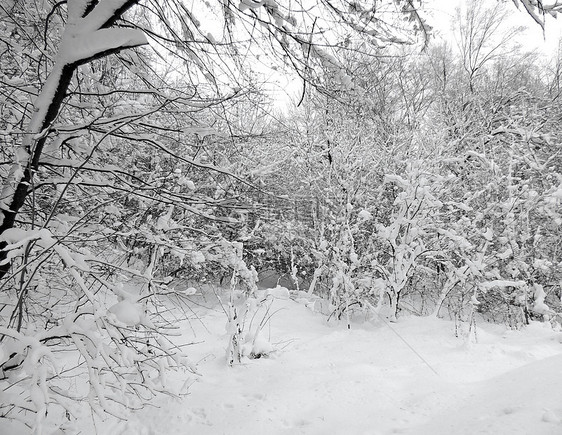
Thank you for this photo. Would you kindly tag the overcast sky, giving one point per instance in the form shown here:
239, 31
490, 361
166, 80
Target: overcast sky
441, 14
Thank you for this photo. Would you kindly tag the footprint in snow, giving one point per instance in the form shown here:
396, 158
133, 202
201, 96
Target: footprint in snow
302, 422
508, 410
200, 416
255, 396
549, 416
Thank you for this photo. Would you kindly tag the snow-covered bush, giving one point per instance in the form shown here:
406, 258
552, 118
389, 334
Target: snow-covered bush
247, 319
62, 318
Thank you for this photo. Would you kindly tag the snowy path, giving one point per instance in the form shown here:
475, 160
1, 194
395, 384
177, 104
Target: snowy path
328, 380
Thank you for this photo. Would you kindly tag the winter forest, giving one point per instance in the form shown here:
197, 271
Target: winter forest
279, 217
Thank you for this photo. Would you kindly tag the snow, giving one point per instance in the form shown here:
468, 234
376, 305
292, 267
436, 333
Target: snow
278, 292
540, 306
85, 37
310, 376
364, 215
128, 312
321, 378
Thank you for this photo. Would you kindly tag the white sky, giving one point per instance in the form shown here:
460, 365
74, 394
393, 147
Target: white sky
441, 13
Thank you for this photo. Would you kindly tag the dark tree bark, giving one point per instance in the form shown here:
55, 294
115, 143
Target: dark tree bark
40, 123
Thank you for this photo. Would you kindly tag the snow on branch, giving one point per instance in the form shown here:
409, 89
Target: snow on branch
77, 9
103, 13
85, 36
81, 46
537, 9
84, 39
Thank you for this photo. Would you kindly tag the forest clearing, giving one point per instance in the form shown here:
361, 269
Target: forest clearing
316, 217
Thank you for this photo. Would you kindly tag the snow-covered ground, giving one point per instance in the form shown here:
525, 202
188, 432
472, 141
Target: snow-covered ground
411, 377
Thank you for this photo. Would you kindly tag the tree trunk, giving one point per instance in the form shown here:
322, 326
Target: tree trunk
317, 273
56, 85
46, 108
394, 299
